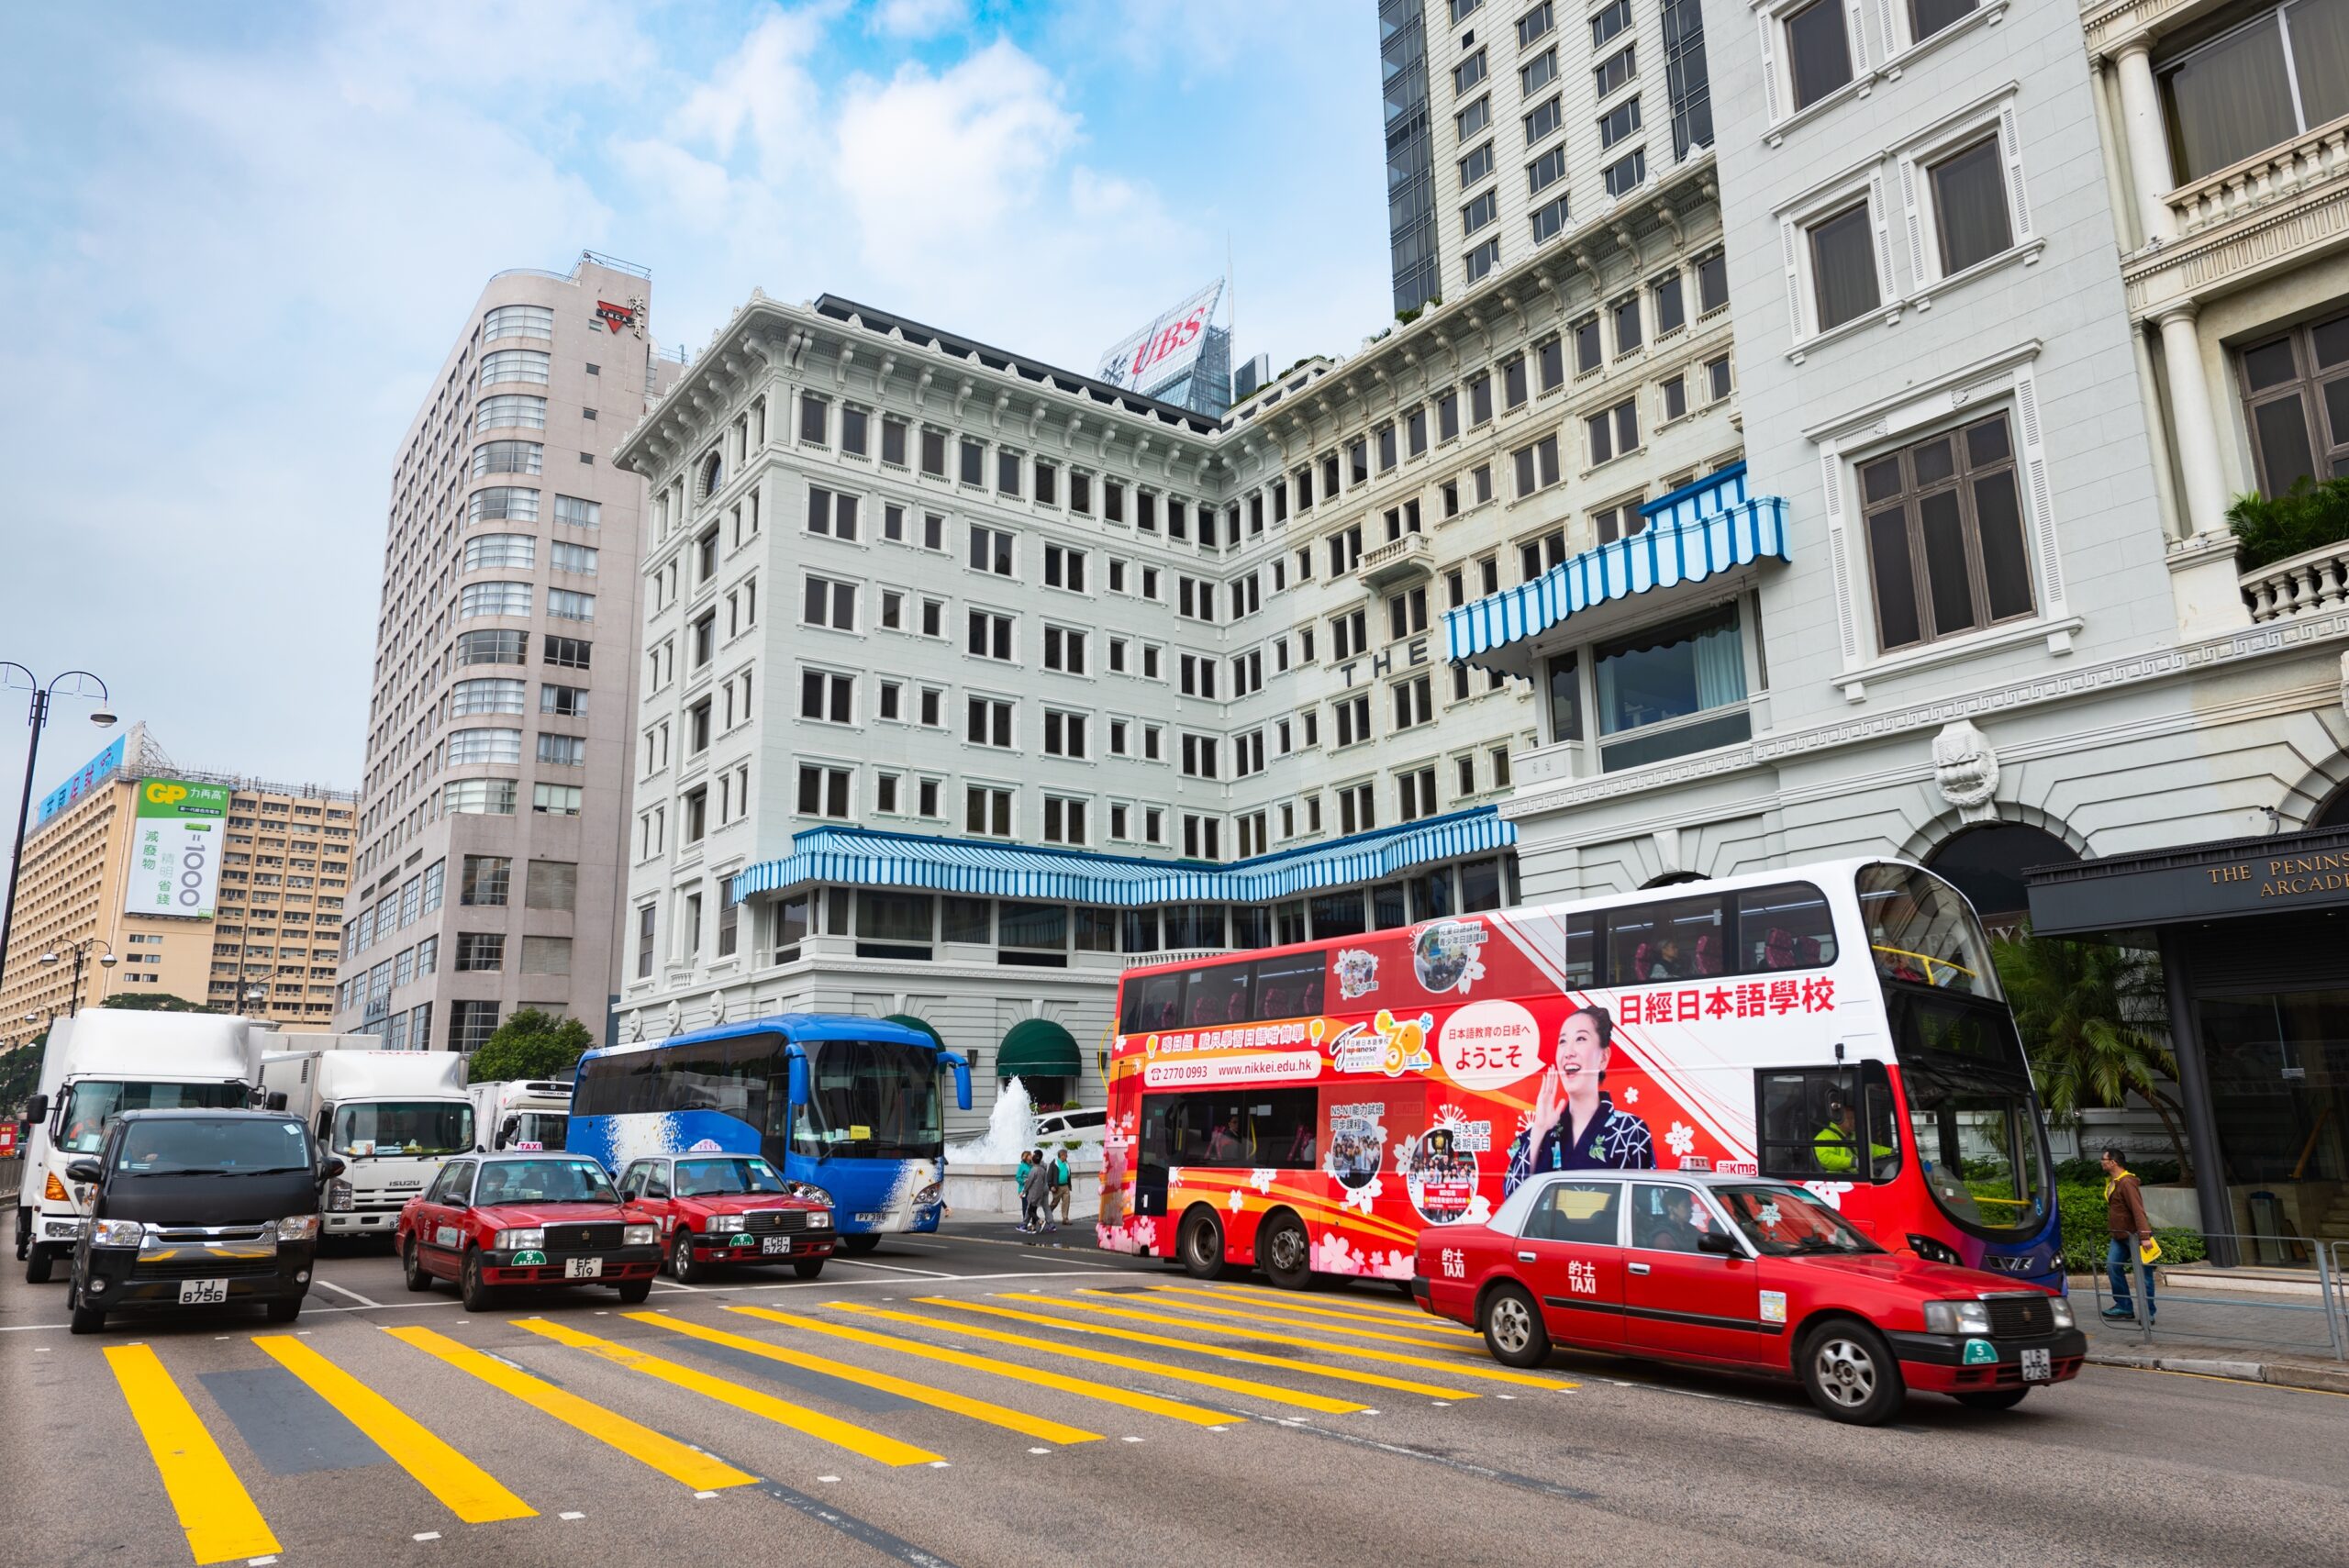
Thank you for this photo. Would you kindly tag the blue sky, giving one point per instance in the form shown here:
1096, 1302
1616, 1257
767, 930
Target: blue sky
236, 241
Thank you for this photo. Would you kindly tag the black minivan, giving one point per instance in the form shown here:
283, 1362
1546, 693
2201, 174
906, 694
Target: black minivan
197, 1209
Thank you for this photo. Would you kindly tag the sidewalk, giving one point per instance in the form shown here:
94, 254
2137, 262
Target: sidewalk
2254, 1338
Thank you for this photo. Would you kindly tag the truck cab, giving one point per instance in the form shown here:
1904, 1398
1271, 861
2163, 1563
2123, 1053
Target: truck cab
96, 1066
393, 1117
532, 1115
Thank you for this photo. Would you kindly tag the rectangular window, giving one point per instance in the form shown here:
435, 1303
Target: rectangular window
1065, 568
989, 635
563, 604
829, 603
1627, 173
556, 800
1590, 349
563, 702
1477, 165
1473, 119
1480, 398
975, 462
1626, 313
482, 881
1687, 78
562, 750
1656, 687
990, 550
1063, 820
1468, 73
1609, 22
826, 697
1535, 24
1483, 260
1614, 433
823, 792
1538, 72
1945, 536
1970, 216
852, 431
1478, 213
989, 723
1619, 121
2295, 401
1712, 283
933, 453
987, 812
814, 415
1716, 381
1513, 382
1616, 70
1537, 466
893, 441
1843, 264
1675, 398
1065, 649
1544, 121
1819, 55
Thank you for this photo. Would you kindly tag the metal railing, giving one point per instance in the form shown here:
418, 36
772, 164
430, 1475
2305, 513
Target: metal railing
2287, 1316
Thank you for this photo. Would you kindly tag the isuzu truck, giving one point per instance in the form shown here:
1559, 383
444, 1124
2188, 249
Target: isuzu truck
391, 1117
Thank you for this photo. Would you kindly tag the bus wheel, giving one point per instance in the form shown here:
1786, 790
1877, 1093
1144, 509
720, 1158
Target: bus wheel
1288, 1256
1849, 1373
1200, 1245
857, 1246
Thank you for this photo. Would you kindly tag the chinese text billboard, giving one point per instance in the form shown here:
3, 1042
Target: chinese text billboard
175, 854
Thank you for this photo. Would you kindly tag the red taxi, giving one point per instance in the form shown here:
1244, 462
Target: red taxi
491, 1221
1744, 1275
729, 1208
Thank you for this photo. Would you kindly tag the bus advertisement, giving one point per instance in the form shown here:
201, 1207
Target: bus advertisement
1308, 1109
850, 1105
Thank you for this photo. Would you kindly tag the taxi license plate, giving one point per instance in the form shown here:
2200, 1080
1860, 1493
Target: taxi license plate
583, 1268
774, 1244
2036, 1366
203, 1292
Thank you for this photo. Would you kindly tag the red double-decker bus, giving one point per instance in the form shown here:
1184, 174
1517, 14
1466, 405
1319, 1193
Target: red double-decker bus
1308, 1109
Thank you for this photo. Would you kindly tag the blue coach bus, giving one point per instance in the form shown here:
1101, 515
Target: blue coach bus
851, 1106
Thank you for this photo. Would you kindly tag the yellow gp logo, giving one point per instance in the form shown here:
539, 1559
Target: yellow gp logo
166, 794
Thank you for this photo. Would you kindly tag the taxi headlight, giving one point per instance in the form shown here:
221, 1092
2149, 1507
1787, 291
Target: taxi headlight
2062, 1311
1957, 1318
297, 1228
530, 1238
820, 1220
116, 1232
640, 1235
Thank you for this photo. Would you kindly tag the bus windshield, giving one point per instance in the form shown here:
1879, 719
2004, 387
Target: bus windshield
870, 1099
403, 1127
1922, 933
93, 1104
1980, 1145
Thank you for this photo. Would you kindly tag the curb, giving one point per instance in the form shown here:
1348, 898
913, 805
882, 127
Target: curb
2280, 1375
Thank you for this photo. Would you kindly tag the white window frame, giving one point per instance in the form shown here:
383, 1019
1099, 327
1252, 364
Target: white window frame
1994, 118
1778, 69
1900, 43
1860, 184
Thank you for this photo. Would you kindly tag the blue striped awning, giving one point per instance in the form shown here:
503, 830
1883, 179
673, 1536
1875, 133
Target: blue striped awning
1696, 531
863, 857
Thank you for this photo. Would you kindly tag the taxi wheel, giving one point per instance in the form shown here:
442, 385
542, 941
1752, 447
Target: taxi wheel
1513, 1330
475, 1290
1200, 1246
681, 1260
634, 1291
1288, 1256
808, 1268
1849, 1373
1993, 1399
412, 1269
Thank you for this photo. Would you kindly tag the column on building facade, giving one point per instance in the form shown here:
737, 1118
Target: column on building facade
2140, 119
2193, 421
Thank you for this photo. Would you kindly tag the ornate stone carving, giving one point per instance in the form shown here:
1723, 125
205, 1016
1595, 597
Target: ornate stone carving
2344, 683
1965, 769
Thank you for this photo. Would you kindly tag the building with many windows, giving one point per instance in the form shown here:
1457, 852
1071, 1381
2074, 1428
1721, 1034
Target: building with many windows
489, 876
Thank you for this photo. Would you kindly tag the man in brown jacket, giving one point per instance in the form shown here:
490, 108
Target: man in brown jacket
2125, 1214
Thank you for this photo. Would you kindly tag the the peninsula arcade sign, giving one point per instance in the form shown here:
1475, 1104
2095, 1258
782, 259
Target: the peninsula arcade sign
2235, 877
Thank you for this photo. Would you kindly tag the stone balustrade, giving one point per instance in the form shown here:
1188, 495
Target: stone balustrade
2286, 169
2298, 584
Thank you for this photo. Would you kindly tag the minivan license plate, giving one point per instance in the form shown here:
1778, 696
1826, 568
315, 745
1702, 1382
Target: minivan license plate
203, 1292
583, 1268
2036, 1367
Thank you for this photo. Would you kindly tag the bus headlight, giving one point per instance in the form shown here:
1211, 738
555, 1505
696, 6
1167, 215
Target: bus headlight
810, 1190
1957, 1318
530, 1239
929, 1195
1934, 1252
116, 1232
641, 1236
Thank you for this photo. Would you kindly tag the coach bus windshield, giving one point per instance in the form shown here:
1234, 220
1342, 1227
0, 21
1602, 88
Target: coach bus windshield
870, 1099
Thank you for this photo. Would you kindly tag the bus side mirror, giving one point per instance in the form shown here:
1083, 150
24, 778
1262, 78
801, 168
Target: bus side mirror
276, 1101
962, 1080
796, 1081
37, 1108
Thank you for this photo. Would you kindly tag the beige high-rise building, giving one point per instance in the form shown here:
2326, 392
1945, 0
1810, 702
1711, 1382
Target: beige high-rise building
488, 872
269, 948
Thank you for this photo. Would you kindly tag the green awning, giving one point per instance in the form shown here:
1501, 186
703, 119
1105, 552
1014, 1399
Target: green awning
1038, 1048
918, 1025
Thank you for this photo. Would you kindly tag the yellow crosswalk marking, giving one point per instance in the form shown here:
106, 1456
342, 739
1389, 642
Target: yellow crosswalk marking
1349, 1306
1226, 1306
468, 1491
1278, 1395
1170, 1408
1285, 1302
1036, 1426
1453, 1366
679, 1462
1221, 1352
213, 1508
858, 1440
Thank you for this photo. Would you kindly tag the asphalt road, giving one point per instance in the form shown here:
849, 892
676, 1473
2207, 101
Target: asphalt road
915, 1418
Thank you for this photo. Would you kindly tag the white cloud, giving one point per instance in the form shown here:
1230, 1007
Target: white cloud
916, 18
766, 90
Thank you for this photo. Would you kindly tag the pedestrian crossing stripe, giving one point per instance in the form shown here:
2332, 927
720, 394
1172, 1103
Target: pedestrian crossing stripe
1285, 1301
1272, 1392
1036, 1426
1085, 1387
464, 1487
215, 1510
1453, 1366
1221, 1352
1224, 1306
873, 1445
679, 1462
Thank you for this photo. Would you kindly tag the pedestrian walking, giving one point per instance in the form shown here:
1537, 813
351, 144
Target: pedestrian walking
1019, 1186
1038, 1190
1060, 1187
2124, 1213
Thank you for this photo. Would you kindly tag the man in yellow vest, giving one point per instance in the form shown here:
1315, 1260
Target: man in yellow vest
1835, 1148
2129, 1230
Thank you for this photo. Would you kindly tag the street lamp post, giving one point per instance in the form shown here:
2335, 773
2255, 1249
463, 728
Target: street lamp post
81, 951
38, 719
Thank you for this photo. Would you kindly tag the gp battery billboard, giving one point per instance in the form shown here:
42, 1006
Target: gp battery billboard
175, 855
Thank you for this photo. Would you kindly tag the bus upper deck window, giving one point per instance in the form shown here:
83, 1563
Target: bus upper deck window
1784, 926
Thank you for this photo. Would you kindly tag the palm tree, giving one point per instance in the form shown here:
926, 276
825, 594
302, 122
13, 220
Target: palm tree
2094, 1018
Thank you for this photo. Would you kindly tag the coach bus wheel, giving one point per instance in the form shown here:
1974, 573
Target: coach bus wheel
1288, 1256
857, 1246
1513, 1330
1201, 1245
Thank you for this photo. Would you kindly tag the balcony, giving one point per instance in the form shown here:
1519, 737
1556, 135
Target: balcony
2301, 584
1410, 559
2274, 211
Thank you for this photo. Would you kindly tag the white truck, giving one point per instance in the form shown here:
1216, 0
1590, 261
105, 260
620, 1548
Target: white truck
392, 1117
521, 1112
98, 1064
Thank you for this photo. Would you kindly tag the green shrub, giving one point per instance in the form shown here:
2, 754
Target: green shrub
2087, 1172
2086, 1232
2303, 518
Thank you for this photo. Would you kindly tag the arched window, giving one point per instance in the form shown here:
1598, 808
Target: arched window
713, 474
2335, 812
1986, 863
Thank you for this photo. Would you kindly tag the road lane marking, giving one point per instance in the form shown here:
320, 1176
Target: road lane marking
1469, 1359
1285, 1302
920, 1392
840, 1261
873, 1445
1378, 1310
464, 1487
1086, 1387
345, 1290
215, 1510
679, 1462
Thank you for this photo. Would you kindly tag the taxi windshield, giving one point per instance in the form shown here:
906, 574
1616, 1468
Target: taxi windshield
543, 1181
719, 1178
1785, 1222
